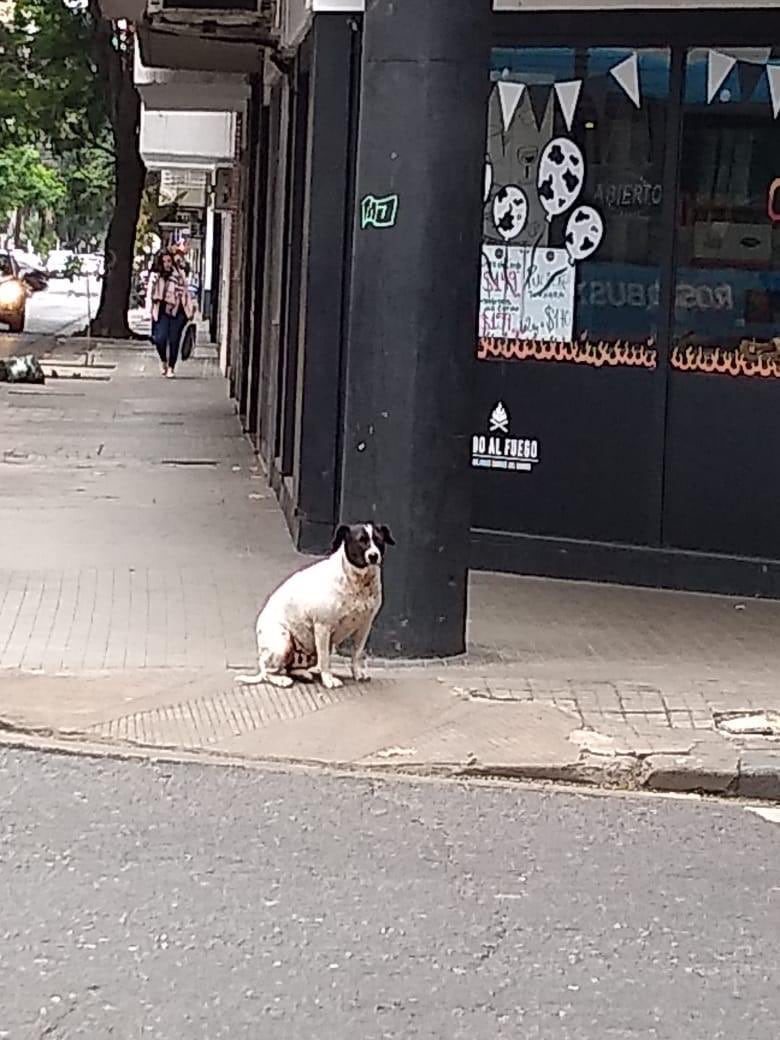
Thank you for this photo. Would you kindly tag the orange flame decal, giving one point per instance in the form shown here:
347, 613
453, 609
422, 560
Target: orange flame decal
612, 354
719, 361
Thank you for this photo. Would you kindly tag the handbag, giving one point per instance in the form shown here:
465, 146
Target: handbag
187, 343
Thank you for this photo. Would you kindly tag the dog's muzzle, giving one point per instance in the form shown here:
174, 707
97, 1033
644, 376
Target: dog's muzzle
373, 557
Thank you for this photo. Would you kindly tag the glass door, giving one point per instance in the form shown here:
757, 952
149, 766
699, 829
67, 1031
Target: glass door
722, 474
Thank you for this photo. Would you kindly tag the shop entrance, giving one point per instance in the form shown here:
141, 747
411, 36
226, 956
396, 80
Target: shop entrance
723, 469
630, 296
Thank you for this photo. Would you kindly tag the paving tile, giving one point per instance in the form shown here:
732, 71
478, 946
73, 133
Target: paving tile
122, 563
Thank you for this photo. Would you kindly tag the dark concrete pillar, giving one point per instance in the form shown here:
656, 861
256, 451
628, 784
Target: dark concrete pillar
413, 308
252, 173
327, 223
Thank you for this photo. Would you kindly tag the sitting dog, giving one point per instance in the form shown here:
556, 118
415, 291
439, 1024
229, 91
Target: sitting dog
318, 608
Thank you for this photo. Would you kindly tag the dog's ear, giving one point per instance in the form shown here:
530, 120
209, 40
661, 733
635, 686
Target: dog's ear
342, 531
387, 537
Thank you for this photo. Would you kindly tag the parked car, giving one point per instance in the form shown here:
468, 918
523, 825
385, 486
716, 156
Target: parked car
25, 259
57, 262
15, 286
34, 278
32, 265
92, 264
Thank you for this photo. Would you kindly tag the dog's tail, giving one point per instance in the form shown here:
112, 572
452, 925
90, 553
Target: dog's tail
251, 680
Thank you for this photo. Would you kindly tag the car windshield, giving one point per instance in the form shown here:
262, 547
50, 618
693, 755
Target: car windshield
6, 267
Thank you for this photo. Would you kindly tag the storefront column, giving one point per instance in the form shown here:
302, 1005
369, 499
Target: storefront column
413, 308
327, 219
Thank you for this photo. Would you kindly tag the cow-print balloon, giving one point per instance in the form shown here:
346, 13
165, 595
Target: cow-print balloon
584, 232
560, 176
510, 211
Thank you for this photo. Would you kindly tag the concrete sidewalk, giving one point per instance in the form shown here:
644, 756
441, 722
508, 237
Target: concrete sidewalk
140, 540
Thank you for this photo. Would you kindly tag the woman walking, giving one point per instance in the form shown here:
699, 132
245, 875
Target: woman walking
171, 306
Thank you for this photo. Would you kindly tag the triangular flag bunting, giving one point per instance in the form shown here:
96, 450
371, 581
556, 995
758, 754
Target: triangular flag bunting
718, 67
773, 75
568, 95
626, 75
749, 75
509, 95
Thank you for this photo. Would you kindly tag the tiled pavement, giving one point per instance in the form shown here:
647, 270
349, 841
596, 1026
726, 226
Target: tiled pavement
139, 539
137, 531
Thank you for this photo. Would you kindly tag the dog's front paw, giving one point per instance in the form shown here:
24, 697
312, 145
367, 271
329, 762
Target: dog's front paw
331, 682
360, 673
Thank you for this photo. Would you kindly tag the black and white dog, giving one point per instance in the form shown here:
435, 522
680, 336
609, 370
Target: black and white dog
318, 608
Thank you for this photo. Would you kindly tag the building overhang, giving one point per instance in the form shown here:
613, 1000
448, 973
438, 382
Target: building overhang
171, 50
188, 90
177, 139
250, 21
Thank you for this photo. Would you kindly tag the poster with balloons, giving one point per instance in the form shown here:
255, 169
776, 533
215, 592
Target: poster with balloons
538, 226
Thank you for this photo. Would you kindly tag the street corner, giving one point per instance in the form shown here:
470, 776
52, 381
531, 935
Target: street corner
710, 765
486, 737
532, 740
759, 774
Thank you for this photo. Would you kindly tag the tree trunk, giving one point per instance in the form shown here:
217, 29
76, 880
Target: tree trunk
116, 65
111, 318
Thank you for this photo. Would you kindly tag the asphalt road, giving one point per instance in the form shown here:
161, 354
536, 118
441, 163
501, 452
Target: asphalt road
185, 902
57, 310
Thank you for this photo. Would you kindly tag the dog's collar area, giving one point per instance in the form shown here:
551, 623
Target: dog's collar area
361, 568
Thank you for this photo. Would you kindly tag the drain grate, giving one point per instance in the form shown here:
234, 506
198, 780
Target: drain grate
205, 722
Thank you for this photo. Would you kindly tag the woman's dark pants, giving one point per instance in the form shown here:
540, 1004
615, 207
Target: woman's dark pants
166, 336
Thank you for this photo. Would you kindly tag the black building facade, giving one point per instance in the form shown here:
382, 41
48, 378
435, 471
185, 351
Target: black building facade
514, 289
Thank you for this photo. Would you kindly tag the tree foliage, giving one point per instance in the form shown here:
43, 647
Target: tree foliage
9, 84
74, 91
86, 210
26, 182
59, 96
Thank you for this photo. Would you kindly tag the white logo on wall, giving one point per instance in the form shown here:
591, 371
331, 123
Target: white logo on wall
499, 419
490, 451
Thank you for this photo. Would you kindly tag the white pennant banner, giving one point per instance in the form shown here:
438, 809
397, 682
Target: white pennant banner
568, 95
773, 76
509, 95
626, 75
718, 67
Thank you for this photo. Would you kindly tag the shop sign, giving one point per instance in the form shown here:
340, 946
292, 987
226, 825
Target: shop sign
498, 449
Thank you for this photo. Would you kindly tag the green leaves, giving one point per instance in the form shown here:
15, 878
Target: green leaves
51, 89
26, 183
56, 148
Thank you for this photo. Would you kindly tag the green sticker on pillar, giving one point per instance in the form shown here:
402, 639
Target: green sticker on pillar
378, 213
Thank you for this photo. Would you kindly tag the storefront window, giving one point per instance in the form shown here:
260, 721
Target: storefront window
727, 299
572, 234
620, 292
